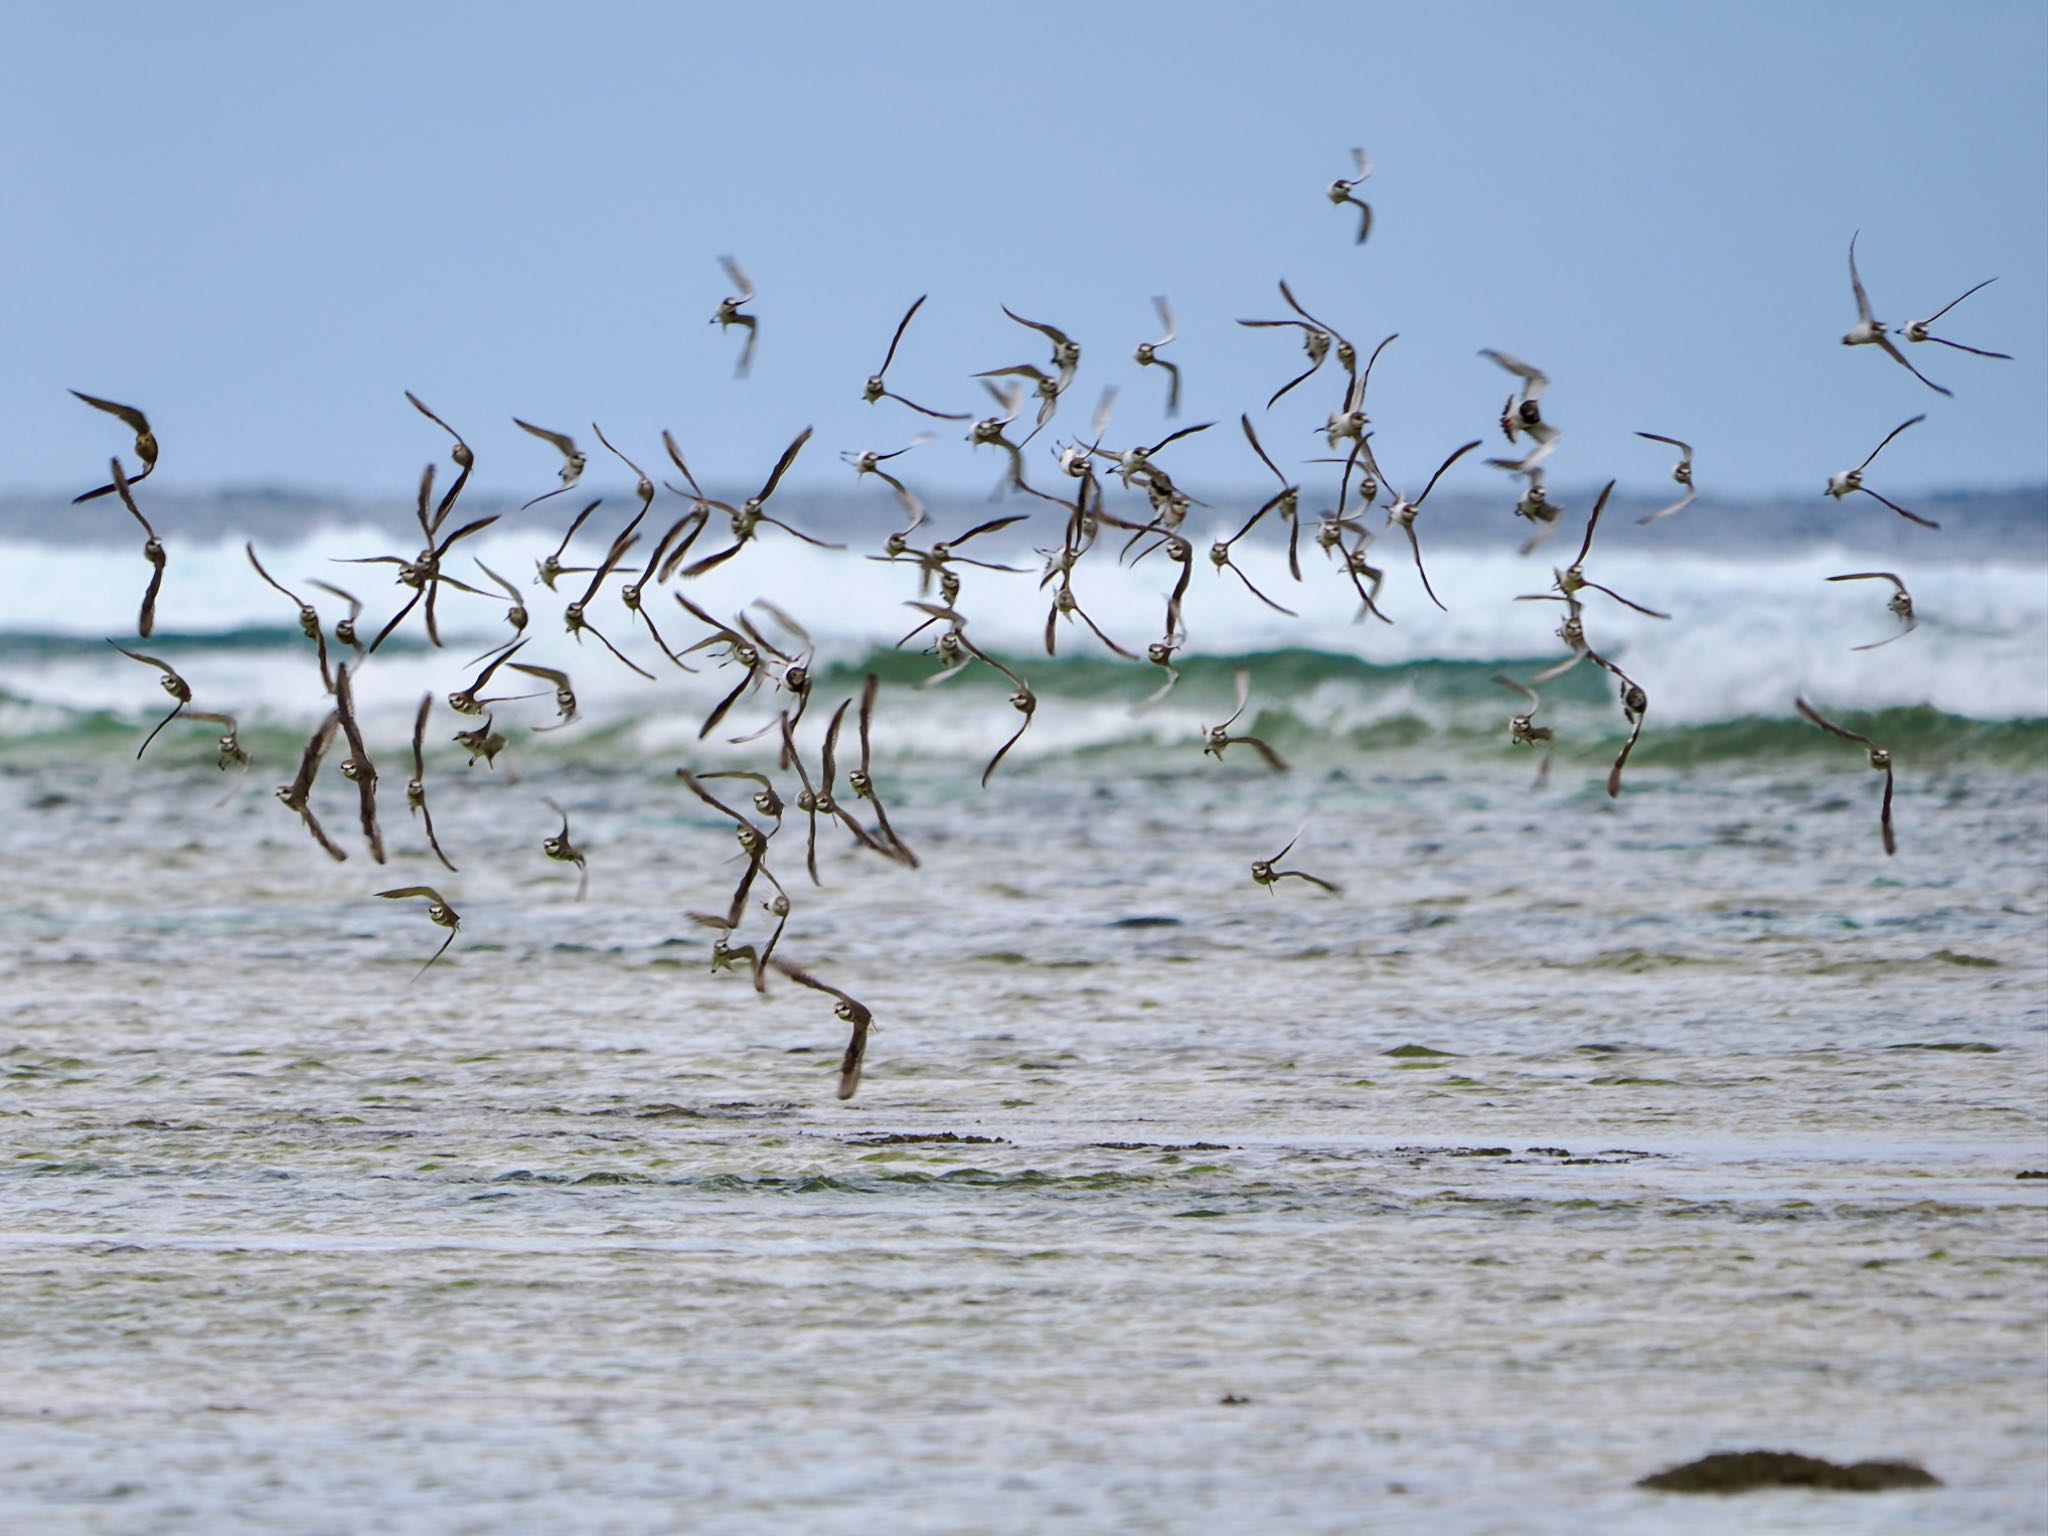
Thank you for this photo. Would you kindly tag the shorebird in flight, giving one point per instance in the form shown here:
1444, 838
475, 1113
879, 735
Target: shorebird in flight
573, 459
152, 551
673, 546
1572, 579
1147, 355
851, 1012
1219, 737
1535, 504
1340, 192
465, 701
1314, 341
344, 629
1572, 631
545, 571
990, 429
766, 800
1263, 872
869, 462
576, 615
1681, 472
1523, 731
230, 744
1066, 352
1522, 415
464, 459
1870, 332
1284, 503
176, 686
145, 443
416, 786
1900, 603
877, 389
309, 618
1880, 760
642, 486
728, 313
423, 573
560, 848
748, 516
1635, 704
482, 742
357, 767
565, 695
298, 795
438, 912
744, 645
816, 800
1403, 512
1850, 481
515, 612
1917, 330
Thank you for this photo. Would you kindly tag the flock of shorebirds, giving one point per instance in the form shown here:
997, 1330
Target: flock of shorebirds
773, 653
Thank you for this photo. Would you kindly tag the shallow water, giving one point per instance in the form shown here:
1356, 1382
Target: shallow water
1720, 1151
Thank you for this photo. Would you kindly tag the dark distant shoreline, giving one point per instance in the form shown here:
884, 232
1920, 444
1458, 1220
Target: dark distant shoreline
2008, 523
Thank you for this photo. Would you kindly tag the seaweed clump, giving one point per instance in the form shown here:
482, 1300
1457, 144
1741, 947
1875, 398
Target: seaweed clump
1741, 1471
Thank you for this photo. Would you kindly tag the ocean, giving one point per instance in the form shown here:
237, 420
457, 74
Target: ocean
1572, 1137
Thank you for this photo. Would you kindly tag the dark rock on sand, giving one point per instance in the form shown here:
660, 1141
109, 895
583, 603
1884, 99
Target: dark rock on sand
1741, 1471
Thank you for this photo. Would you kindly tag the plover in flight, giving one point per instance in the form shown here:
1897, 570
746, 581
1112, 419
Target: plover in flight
877, 388
1917, 330
1850, 481
1341, 192
1900, 603
357, 767
1870, 332
152, 551
560, 848
309, 618
1264, 874
861, 780
438, 912
1218, 737
1521, 414
1880, 760
545, 571
416, 786
464, 459
728, 313
1635, 704
642, 487
1572, 578
749, 515
344, 629
1523, 731
145, 442
482, 742
565, 695
1403, 512
573, 459
176, 686
298, 795
851, 1012
232, 752
464, 701
1147, 355
1681, 472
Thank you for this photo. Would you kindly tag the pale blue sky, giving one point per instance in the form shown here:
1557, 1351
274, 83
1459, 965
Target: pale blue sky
262, 222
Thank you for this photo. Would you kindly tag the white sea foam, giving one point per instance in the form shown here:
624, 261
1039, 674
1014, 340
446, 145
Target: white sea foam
1746, 635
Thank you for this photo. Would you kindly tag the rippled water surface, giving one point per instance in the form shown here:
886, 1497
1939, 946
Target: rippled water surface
1576, 1138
